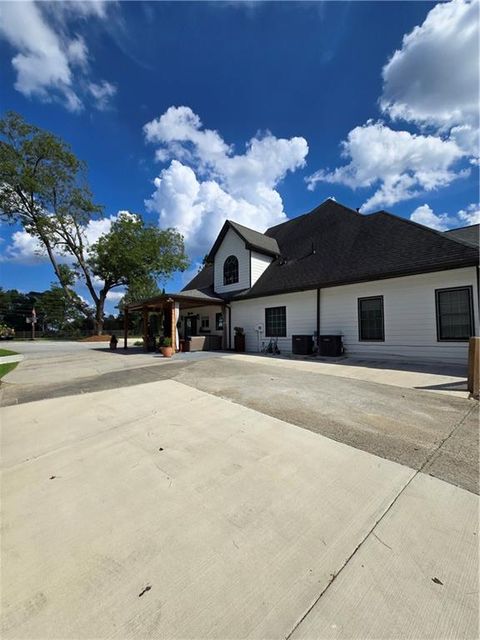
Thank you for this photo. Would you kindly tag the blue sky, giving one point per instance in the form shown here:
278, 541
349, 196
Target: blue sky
254, 111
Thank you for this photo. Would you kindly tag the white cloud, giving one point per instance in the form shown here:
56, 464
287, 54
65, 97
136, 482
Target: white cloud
50, 64
103, 93
425, 215
433, 78
470, 215
443, 221
399, 164
432, 82
206, 182
24, 249
115, 295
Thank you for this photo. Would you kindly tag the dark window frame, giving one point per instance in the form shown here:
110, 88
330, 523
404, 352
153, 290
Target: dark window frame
219, 321
359, 318
467, 287
276, 334
228, 277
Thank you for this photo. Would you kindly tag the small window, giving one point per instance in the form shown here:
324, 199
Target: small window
219, 321
276, 322
230, 270
205, 322
454, 313
370, 319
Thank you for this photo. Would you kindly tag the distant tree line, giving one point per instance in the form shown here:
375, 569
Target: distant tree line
56, 315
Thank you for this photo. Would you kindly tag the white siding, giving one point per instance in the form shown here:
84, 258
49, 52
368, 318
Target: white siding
259, 263
232, 245
301, 317
409, 309
409, 315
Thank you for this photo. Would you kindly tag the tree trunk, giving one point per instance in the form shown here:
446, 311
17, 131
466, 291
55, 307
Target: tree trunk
99, 313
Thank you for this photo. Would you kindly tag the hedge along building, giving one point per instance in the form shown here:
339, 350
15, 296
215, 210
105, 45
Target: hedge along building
391, 288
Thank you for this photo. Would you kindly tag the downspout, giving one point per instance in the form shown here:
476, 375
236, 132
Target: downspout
318, 317
229, 326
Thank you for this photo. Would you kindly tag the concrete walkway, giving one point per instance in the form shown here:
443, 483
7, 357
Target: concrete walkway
17, 357
160, 511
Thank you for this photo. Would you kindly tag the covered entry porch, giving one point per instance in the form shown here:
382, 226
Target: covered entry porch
193, 321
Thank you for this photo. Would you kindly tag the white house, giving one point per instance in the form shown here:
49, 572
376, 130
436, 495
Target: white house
377, 286
391, 288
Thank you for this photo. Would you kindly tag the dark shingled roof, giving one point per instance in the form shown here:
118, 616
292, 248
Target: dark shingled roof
253, 239
203, 279
470, 235
334, 245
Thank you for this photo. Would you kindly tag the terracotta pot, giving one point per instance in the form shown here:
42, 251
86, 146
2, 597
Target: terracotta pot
167, 352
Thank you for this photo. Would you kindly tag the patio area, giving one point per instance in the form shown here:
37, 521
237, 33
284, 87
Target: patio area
193, 322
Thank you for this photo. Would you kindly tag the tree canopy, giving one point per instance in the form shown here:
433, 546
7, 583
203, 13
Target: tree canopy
43, 187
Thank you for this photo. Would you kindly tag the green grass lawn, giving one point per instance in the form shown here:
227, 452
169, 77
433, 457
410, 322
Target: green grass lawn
7, 352
5, 368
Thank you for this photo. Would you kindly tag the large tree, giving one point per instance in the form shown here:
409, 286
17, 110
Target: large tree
43, 187
135, 254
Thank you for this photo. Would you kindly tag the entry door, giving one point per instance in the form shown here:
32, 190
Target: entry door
190, 326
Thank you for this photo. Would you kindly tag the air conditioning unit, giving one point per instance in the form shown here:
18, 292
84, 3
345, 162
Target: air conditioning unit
259, 328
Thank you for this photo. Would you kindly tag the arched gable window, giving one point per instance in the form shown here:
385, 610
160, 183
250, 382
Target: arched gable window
230, 270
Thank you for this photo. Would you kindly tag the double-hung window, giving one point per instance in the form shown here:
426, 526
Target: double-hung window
276, 322
454, 313
370, 319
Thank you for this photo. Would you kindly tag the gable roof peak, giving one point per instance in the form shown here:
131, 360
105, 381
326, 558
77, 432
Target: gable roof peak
253, 240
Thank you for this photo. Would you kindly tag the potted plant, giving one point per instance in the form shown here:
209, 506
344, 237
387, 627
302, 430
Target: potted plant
239, 339
166, 348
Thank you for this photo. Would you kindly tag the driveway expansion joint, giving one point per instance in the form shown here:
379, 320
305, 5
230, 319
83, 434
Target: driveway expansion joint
371, 531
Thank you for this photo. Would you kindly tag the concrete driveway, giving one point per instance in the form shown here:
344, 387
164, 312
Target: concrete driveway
51, 362
218, 496
161, 511
386, 412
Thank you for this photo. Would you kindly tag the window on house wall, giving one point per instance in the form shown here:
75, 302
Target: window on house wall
230, 270
205, 323
219, 321
276, 322
454, 313
370, 319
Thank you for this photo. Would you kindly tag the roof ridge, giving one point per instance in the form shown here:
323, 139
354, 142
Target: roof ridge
467, 226
243, 226
308, 213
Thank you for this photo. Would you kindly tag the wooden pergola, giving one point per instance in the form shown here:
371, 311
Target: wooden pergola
169, 303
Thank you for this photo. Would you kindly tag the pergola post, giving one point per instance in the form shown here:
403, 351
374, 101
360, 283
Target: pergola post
173, 330
125, 327
145, 328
